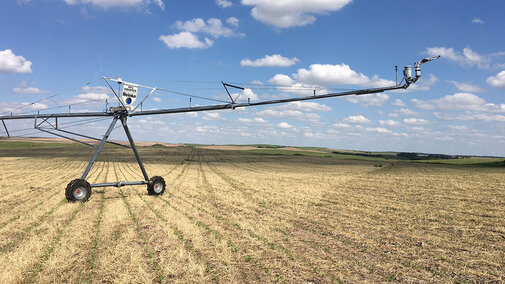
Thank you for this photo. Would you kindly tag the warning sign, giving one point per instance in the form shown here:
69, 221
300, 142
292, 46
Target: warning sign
130, 92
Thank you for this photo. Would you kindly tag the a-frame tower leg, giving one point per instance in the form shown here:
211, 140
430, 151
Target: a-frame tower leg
80, 189
97, 152
132, 144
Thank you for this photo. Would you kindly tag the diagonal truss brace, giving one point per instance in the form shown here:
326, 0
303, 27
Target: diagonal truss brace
117, 116
6, 130
226, 85
55, 127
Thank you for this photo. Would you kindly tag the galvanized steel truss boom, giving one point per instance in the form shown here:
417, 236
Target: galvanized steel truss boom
123, 112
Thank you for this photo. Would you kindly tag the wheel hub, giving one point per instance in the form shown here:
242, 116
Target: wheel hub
158, 187
79, 193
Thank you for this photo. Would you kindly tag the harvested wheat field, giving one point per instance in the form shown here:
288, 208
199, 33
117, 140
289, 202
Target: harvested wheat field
239, 216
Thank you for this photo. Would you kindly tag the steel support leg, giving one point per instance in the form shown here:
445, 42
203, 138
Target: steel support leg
6, 131
104, 139
132, 143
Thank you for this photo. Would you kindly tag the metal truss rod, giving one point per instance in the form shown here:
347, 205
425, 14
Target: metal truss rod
115, 94
233, 106
119, 183
132, 144
63, 136
105, 137
93, 138
51, 115
5, 127
229, 95
145, 98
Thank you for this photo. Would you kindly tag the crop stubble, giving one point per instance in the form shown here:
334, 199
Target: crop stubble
235, 217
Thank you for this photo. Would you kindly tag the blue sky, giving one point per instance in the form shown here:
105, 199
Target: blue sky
55, 47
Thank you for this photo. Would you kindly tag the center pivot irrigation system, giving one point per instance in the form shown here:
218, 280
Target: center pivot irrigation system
80, 190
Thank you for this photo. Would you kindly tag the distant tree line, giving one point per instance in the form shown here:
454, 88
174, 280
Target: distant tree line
418, 156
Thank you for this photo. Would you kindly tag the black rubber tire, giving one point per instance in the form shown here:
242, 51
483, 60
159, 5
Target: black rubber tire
153, 182
72, 194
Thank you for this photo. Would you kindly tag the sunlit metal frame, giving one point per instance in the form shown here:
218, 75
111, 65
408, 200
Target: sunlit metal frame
122, 113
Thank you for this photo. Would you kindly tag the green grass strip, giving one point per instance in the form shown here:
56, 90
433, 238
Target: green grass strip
142, 236
36, 269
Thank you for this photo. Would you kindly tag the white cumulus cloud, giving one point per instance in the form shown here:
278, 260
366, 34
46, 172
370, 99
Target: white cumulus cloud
388, 122
190, 30
12, 63
29, 91
341, 125
36, 106
379, 130
497, 81
338, 74
256, 120
369, 100
212, 116
460, 101
232, 21
360, 119
289, 114
402, 111
286, 84
213, 27
305, 106
467, 87
275, 60
477, 21
398, 103
415, 121
291, 13
185, 40
224, 3
467, 57
284, 125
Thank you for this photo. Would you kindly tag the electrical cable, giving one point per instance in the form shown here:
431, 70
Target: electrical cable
60, 106
67, 124
191, 96
51, 96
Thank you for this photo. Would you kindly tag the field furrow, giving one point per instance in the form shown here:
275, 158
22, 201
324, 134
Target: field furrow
235, 217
